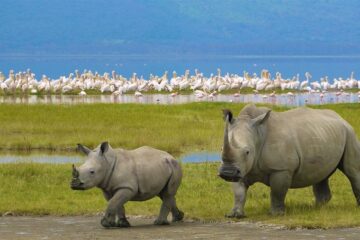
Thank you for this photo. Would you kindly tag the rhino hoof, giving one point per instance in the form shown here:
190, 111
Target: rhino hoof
178, 217
161, 222
123, 223
107, 224
235, 215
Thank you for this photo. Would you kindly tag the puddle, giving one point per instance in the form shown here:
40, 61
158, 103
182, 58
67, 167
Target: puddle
297, 99
201, 157
58, 159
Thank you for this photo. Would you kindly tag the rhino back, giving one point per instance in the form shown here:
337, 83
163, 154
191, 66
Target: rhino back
307, 142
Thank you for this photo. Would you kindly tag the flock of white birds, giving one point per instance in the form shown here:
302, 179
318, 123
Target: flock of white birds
81, 83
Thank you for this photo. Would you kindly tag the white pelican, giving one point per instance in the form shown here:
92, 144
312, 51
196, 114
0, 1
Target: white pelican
138, 94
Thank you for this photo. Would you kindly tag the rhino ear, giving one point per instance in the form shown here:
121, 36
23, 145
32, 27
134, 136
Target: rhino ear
261, 119
104, 147
228, 115
83, 149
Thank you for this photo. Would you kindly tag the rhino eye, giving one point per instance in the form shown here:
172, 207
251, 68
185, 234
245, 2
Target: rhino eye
247, 152
92, 171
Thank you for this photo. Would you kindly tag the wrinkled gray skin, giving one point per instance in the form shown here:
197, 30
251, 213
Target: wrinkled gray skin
292, 149
135, 175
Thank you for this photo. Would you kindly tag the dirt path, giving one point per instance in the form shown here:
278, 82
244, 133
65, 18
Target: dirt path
89, 228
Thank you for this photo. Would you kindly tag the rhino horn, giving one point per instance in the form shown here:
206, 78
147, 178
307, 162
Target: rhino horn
227, 149
75, 172
228, 115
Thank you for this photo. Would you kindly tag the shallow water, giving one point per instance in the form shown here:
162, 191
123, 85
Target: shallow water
59, 159
198, 157
40, 158
281, 99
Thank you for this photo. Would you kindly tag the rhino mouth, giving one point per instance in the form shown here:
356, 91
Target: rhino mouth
229, 173
230, 178
76, 184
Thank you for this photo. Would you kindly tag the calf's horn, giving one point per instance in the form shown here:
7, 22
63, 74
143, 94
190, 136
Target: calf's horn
75, 173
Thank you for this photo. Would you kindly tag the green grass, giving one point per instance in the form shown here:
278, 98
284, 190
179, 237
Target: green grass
43, 189
174, 128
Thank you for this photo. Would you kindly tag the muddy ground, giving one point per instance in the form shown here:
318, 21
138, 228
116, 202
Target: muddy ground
82, 227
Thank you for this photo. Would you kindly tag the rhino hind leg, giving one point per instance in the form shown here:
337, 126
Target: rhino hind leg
167, 196
354, 178
164, 210
322, 192
350, 164
177, 214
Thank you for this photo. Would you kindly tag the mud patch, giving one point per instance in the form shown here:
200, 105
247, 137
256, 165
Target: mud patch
81, 227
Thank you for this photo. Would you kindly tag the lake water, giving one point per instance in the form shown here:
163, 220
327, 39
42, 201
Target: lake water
196, 157
55, 66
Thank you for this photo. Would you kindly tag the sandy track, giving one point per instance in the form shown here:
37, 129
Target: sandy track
81, 227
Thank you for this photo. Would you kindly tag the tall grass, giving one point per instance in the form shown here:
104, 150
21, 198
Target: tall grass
175, 128
42, 189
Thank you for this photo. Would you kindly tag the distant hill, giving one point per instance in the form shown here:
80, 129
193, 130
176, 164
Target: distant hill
227, 27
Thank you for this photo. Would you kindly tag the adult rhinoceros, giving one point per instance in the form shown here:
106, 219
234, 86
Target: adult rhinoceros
292, 149
134, 175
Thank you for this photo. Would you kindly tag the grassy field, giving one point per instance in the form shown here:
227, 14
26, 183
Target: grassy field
43, 189
176, 128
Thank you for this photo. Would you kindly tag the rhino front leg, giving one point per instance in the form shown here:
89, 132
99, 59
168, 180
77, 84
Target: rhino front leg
322, 192
240, 190
116, 207
122, 221
279, 185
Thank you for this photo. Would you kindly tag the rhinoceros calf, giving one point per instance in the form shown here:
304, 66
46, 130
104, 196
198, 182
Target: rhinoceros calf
134, 175
292, 149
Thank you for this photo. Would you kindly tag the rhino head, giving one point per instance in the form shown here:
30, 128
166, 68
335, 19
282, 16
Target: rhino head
242, 143
94, 170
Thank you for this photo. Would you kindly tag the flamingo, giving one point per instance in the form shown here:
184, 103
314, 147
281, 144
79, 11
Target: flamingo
138, 94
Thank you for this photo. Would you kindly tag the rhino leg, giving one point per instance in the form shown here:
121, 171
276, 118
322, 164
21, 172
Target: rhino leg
322, 192
177, 214
240, 191
116, 208
354, 178
279, 185
350, 164
355, 184
122, 221
168, 196
167, 203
